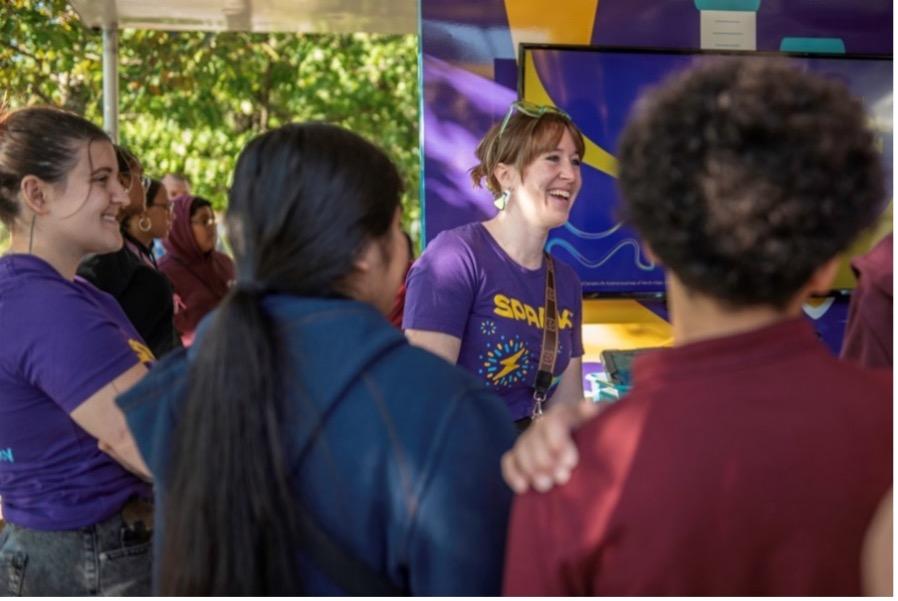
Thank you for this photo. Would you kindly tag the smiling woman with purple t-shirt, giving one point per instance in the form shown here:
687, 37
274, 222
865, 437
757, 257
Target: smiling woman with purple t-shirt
477, 295
72, 482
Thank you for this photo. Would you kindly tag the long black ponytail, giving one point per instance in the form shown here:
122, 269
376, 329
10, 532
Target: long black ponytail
304, 201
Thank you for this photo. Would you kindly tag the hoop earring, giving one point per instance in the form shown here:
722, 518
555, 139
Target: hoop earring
502, 200
144, 224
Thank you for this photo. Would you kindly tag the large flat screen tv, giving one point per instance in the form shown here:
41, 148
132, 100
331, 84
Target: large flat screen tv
598, 86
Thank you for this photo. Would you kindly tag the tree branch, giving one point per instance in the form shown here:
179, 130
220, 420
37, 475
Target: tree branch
15, 48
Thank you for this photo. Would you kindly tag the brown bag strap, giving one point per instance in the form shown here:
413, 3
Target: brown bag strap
549, 350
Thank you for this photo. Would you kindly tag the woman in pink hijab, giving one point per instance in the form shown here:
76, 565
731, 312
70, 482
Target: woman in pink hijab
200, 274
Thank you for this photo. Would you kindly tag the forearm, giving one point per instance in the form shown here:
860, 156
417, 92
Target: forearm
438, 343
101, 418
570, 388
127, 455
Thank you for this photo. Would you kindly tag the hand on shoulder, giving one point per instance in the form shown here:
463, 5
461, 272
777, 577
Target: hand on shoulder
545, 455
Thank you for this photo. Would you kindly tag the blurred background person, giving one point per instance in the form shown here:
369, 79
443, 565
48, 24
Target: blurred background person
176, 184
200, 274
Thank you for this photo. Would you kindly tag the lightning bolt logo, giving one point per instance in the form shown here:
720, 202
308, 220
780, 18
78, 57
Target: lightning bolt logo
508, 365
505, 363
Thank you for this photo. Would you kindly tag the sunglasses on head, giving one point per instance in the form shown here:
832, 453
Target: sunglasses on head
531, 110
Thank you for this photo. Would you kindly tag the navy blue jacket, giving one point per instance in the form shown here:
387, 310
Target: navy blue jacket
405, 474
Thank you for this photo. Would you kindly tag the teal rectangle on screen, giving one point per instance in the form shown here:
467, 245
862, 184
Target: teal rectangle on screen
814, 45
741, 5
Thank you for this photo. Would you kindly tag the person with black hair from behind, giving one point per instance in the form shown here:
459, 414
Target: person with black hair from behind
131, 274
746, 460
304, 416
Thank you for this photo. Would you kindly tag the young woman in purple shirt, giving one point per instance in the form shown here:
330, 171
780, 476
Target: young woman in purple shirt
71, 479
476, 296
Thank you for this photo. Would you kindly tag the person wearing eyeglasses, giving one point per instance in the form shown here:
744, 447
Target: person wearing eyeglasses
477, 296
200, 274
131, 274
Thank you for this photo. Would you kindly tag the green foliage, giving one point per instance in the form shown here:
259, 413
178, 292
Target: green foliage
190, 101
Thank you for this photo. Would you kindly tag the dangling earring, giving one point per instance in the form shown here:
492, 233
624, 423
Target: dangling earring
502, 200
144, 224
31, 234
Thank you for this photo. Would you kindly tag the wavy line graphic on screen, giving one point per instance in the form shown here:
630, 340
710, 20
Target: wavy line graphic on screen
594, 155
591, 235
507, 362
639, 262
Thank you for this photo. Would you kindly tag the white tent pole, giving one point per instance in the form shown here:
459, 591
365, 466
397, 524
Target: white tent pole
110, 81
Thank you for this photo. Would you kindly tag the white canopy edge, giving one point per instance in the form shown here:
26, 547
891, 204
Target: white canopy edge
298, 16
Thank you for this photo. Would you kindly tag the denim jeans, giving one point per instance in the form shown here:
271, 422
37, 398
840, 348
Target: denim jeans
109, 558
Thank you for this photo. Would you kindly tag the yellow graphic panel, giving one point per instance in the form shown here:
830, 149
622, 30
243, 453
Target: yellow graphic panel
534, 91
621, 325
541, 22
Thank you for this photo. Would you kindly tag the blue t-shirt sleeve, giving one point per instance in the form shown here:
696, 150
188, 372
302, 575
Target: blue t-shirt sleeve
70, 347
441, 287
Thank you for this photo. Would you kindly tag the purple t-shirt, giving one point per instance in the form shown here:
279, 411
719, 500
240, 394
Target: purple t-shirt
466, 286
62, 342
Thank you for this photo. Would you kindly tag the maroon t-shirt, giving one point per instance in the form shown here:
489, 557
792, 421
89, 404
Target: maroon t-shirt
745, 465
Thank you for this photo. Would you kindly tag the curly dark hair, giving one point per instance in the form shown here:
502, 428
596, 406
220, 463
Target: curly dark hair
746, 175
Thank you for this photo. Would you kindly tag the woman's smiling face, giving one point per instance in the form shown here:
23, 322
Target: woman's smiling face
550, 184
83, 208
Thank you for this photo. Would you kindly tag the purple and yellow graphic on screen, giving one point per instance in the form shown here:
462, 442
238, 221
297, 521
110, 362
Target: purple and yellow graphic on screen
598, 88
